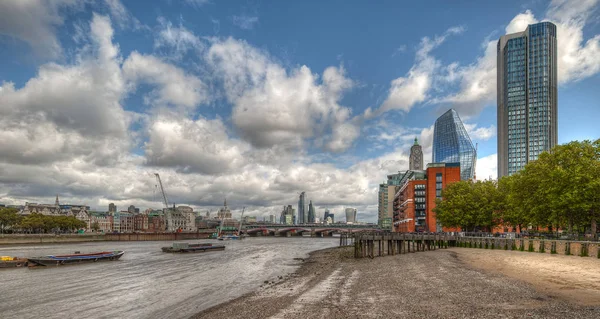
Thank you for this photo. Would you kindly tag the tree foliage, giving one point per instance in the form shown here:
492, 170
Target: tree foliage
469, 205
8, 217
38, 223
559, 190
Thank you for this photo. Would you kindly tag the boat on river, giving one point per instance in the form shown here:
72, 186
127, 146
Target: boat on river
76, 258
192, 248
12, 262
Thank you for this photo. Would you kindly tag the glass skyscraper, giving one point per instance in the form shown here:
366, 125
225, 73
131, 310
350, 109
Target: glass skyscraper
527, 96
451, 144
302, 212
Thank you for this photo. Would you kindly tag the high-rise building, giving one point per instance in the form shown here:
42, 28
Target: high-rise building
302, 212
287, 215
526, 96
328, 216
112, 208
350, 215
451, 144
311, 213
415, 161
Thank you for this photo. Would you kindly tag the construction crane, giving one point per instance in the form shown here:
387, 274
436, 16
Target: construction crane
164, 195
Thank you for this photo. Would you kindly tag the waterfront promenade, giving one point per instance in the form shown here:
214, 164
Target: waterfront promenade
447, 283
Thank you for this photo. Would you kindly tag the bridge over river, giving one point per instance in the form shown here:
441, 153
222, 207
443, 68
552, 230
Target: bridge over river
300, 230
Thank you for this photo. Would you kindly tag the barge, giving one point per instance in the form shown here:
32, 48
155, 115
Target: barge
192, 248
77, 258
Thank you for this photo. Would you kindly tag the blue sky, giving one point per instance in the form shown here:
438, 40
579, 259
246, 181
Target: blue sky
259, 100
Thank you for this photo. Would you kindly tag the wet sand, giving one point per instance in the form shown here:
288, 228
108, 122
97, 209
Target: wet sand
451, 283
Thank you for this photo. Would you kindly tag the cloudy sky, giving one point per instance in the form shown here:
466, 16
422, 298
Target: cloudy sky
257, 101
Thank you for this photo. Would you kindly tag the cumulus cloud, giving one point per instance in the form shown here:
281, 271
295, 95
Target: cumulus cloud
173, 86
200, 146
577, 58
273, 106
35, 22
487, 167
480, 133
411, 89
68, 110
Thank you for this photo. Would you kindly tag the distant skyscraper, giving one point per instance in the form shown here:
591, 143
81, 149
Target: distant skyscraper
415, 161
350, 215
526, 96
451, 144
302, 209
112, 208
311, 213
328, 215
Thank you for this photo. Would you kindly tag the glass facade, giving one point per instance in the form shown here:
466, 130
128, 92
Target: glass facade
527, 97
452, 144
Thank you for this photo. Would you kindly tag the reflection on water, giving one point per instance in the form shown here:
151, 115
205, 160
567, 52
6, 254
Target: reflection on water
145, 282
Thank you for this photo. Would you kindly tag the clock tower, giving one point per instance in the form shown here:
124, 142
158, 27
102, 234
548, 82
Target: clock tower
416, 157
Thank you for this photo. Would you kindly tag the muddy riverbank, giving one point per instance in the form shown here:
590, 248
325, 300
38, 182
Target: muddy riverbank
433, 284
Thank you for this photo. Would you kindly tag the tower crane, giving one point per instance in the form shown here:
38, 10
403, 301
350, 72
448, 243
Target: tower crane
164, 195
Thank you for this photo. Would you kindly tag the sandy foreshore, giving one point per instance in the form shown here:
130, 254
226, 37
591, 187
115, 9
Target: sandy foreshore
450, 283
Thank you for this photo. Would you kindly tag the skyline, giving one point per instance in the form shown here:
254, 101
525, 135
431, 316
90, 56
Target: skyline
257, 103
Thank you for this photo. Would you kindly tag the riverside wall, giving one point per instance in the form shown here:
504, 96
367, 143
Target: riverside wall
16, 239
547, 246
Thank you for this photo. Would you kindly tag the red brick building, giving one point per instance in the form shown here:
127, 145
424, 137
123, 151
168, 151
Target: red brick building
415, 199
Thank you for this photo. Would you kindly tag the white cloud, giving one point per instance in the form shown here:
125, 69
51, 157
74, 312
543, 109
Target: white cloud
68, 110
487, 167
174, 86
245, 22
35, 22
480, 133
411, 89
121, 15
273, 106
577, 58
179, 40
193, 146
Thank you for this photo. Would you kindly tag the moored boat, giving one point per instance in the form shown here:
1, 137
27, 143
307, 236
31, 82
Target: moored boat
12, 262
192, 248
77, 258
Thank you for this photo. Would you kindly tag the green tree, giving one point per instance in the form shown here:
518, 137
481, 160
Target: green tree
8, 218
95, 226
513, 212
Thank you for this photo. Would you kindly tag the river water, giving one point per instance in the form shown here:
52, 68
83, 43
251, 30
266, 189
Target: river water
145, 282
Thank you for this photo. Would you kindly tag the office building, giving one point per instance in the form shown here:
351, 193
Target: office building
350, 215
451, 144
302, 211
311, 213
328, 217
526, 96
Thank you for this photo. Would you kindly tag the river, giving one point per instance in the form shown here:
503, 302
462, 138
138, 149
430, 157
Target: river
145, 282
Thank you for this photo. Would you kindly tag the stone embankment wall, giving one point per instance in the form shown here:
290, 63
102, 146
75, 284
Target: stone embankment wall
15, 239
562, 247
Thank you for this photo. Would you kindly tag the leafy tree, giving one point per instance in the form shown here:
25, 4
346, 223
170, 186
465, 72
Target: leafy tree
8, 217
95, 226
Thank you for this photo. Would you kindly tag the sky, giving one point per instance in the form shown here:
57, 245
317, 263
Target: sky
257, 101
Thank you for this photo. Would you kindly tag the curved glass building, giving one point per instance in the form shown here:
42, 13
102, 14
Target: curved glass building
452, 144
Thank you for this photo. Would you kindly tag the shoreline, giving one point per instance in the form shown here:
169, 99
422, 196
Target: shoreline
456, 283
